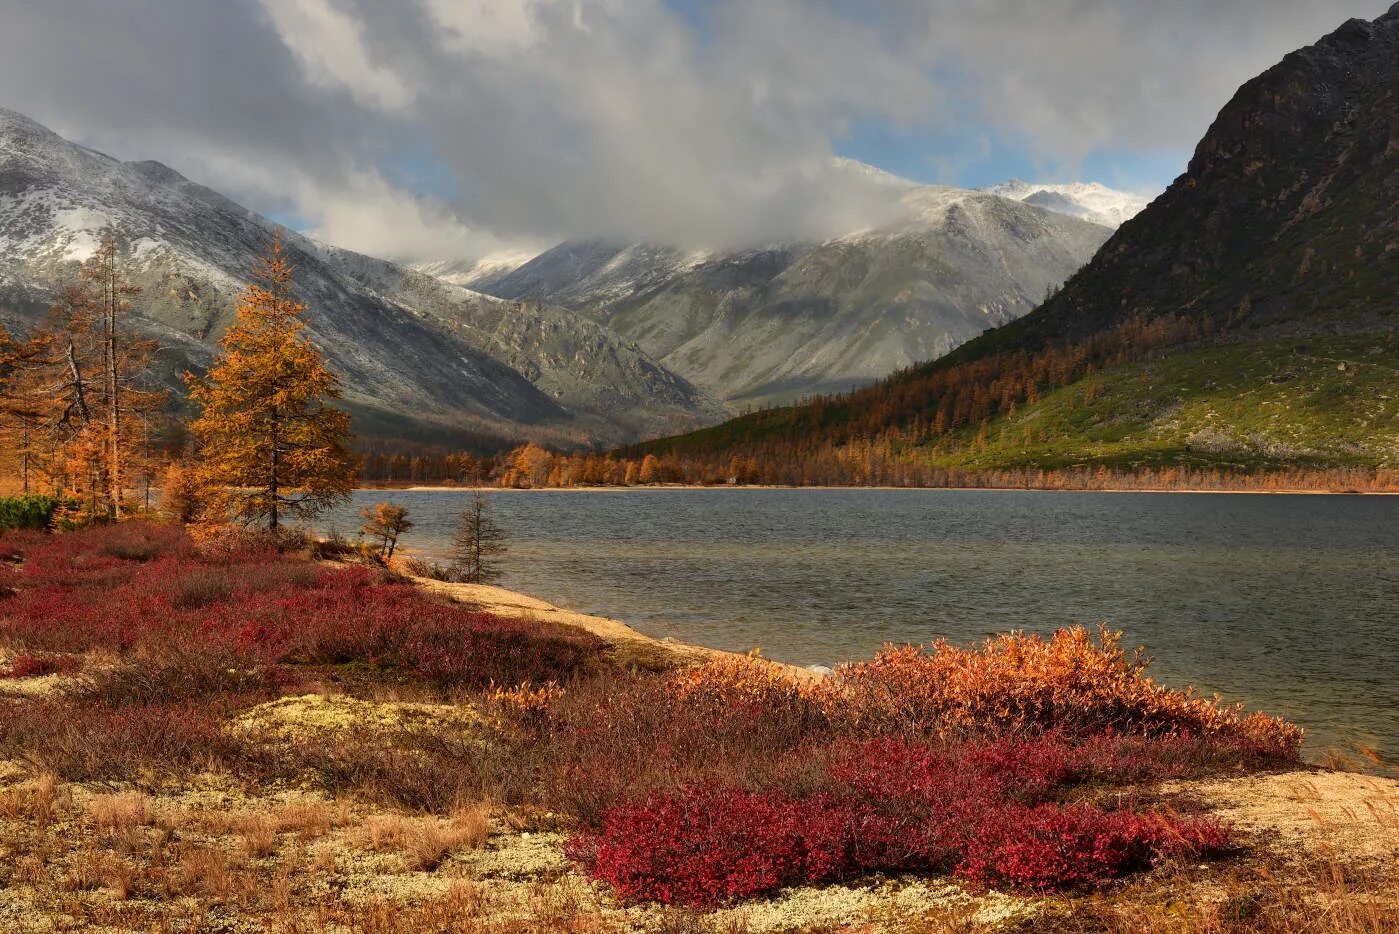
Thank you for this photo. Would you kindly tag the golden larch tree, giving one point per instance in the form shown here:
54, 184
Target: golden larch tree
121, 358
26, 405
385, 524
90, 371
271, 445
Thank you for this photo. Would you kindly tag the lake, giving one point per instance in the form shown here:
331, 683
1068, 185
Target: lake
1285, 602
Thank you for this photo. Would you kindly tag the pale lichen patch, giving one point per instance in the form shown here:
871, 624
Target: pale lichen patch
319, 716
518, 856
881, 904
36, 686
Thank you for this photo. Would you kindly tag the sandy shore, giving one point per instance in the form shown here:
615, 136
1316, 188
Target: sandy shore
626, 645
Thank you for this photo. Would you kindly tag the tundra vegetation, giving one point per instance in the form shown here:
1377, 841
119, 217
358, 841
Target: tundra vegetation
199, 733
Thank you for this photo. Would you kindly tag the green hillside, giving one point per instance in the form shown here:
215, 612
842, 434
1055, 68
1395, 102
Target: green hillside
1252, 406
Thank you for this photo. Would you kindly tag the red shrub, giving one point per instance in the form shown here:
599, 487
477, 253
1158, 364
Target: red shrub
699, 845
890, 807
25, 665
134, 586
1047, 848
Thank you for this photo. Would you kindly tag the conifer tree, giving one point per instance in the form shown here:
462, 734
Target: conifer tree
24, 406
385, 523
477, 544
271, 446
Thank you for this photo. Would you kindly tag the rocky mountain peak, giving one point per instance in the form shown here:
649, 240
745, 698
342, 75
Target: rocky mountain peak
1289, 196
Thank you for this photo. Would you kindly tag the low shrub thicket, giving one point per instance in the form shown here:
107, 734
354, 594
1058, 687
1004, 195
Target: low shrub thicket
91, 743
187, 623
734, 778
720, 782
885, 807
25, 665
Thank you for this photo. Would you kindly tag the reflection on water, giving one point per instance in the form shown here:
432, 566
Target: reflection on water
1286, 602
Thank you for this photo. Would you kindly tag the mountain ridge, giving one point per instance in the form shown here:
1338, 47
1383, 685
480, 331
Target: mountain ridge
405, 368
777, 322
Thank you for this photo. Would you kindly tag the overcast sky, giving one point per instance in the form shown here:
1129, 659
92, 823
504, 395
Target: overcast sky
456, 128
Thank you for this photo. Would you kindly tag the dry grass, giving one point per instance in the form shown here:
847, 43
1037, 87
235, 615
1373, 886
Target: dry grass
259, 836
426, 842
210, 872
38, 801
119, 813
94, 870
1314, 896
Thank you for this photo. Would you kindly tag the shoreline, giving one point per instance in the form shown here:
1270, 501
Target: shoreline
633, 647
694, 487
626, 644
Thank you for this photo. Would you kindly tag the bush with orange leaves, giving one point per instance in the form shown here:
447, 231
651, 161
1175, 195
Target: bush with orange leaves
1071, 682
738, 683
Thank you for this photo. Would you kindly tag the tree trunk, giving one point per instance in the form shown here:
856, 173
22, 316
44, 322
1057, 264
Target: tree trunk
114, 472
272, 485
79, 393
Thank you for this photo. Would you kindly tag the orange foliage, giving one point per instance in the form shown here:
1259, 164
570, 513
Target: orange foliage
272, 447
743, 679
1021, 683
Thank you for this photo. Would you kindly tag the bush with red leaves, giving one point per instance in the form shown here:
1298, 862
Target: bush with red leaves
891, 807
137, 589
700, 845
26, 665
1047, 848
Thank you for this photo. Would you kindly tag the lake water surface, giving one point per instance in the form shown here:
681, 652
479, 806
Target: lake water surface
1285, 602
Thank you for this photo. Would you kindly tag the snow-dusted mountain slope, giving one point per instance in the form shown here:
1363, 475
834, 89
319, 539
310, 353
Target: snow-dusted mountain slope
418, 356
471, 273
771, 324
1087, 201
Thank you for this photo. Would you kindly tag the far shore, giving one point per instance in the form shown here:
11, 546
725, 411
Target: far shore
679, 487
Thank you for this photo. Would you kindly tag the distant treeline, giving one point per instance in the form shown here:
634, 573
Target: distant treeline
867, 464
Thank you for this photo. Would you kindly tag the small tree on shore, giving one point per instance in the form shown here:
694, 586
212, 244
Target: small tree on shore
272, 446
478, 544
384, 524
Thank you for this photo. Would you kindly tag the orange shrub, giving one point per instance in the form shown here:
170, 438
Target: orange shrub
1015, 683
742, 680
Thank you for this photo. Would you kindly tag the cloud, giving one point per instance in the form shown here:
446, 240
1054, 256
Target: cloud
329, 44
416, 128
1069, 76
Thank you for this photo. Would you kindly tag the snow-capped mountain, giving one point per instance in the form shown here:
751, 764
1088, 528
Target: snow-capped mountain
416, 354
471, 273
775, 323
1087, 201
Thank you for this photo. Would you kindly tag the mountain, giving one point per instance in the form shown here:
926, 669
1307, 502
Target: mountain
418, 356
474, 273
1244, 320
790, 319
1284, 218
1088, 201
